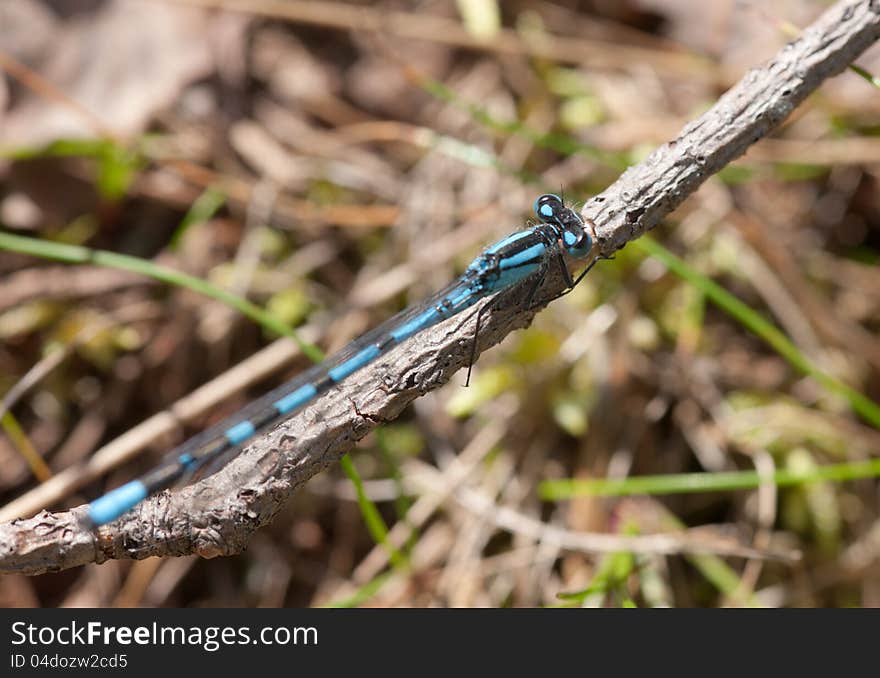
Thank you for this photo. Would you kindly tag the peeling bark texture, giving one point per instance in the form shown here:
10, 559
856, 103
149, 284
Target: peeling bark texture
218, 515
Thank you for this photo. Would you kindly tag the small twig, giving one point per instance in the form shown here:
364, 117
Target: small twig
746, 113
218, 515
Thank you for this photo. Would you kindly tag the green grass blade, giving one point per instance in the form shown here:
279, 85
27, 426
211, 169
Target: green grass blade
753, 321
203, 208
25, 447
370, 513
363, 594
679, 483
858, 70
75, 254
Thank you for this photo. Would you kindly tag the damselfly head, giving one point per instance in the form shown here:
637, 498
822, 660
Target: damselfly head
551, 210
548, 207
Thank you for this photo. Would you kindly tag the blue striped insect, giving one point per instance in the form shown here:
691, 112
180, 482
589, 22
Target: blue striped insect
521, 256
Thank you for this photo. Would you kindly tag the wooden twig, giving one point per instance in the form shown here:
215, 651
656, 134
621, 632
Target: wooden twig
218, 515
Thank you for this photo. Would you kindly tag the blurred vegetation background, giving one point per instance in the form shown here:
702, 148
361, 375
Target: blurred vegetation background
333, 162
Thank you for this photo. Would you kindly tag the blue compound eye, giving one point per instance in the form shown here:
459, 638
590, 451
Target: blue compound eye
577, 244
547, 206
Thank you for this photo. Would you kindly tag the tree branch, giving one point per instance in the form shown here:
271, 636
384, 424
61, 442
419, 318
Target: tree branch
218, 515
